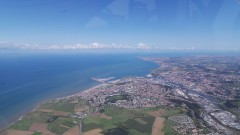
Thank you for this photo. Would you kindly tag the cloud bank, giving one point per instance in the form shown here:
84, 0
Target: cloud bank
95, 45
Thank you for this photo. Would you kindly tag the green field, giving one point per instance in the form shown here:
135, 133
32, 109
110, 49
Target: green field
170, 112
133, 124
115, 98
44, 117
66, 107
167, 129
93, 122
56, 127
123, 121
23, 124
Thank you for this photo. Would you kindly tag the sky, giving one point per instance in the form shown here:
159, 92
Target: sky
143, 24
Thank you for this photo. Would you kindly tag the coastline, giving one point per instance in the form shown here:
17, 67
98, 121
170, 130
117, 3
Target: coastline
35, 107
49, 100
58, 98
76, 94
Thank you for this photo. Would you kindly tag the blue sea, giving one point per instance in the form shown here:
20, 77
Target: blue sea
28, 78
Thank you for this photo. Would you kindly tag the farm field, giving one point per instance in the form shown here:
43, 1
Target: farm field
55, 118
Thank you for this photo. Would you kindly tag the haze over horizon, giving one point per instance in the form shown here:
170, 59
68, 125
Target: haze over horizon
121, 24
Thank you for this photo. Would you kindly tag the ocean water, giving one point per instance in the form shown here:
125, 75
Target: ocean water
26, 79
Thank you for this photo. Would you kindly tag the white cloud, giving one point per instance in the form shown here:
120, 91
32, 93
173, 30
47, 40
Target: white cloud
94, 45
142, 46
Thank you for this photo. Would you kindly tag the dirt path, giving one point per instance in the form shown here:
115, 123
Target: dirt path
157, 126
19, 132
45, 110
157, 113
61, 113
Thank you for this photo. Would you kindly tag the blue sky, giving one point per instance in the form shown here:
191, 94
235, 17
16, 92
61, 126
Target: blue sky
199, 24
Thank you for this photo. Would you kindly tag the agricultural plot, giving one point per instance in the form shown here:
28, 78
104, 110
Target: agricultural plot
93, 122
64, 107
118, 121
23, 124
167, 129
49, 118
72, 131
157, 126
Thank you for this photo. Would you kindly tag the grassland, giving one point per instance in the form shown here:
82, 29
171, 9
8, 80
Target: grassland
22, 124
167, 129
232, 106
115, 98
65, 107
59, 126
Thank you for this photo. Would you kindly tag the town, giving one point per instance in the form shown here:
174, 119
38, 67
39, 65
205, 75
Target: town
204, 85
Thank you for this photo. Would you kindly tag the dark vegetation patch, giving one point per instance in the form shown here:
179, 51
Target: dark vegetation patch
167, 87
193, 106
51, 119
133, 124
120, 83
116, 131
121, 114
232, 106
56, 128
149, 119
115, 98
101, 110
65, 107
90, 126
232, 103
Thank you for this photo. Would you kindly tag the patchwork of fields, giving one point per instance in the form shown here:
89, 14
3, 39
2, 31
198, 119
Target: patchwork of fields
54, 118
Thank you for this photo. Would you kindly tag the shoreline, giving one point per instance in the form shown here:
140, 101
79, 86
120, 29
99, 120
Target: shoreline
57, 98
35, 107
18, 118
98, 84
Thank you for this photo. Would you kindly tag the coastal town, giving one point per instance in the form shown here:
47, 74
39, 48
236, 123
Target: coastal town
202, 84
186, 95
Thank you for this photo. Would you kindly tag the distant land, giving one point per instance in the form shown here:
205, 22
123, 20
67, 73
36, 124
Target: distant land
185, 95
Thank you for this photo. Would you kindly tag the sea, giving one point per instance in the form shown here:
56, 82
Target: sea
28, 78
